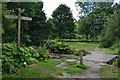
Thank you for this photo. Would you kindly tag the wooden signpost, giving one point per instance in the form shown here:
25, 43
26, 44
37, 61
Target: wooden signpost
19, 17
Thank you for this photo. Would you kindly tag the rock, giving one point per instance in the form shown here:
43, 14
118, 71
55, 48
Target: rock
71, 60
70, 56
55, 57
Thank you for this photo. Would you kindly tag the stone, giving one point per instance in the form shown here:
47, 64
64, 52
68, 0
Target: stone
71, 60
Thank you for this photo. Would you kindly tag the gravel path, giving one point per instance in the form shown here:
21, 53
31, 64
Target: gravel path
91, 73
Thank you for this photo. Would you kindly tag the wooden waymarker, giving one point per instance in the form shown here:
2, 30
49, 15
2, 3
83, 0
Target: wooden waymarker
81, 58
19, 17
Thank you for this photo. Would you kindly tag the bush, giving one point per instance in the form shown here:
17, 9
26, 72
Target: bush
118, 61
55, 46
106, 42
77, 52
42, 54
14, 58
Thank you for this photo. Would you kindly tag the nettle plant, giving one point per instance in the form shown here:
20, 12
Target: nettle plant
56, 46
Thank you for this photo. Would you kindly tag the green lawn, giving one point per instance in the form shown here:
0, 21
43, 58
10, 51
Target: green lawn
46, 69
107, 50
83, 45
40, 70
89, 46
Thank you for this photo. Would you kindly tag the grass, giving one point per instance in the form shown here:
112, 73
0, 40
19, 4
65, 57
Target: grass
73, 67
46, 69
40, 70
83, 45
73, 70
89, 46
107, 71
77, 68
108, 50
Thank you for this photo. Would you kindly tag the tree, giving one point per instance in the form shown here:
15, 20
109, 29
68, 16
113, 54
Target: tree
64, 22
112, 29
50, 28
85, 8
37, 28
84, 27
8, 26
10, 30
95, 21
97, 18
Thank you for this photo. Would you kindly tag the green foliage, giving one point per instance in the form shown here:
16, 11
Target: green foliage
112, 29
64, 22
82, 66
42, 54
38, 30
33, 32
92, 24
106, 42
50, 29
42, 69
84, 27
87, 7
14, 58
107, 71
84, 7
118, 61
83, 45
55, 46
10, 25
84, 52
75, 68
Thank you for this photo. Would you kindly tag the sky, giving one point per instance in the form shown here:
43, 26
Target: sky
51, 5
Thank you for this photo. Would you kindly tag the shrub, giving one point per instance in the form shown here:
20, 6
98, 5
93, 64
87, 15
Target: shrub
106, 42
55, 46
116, 47
77, 52
14, 58
42, 54
118, 61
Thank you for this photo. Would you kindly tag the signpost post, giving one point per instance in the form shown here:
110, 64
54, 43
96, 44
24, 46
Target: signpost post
19, 17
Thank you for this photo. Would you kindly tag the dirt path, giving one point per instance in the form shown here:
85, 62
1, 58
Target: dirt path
91, 72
